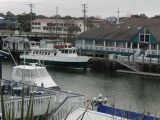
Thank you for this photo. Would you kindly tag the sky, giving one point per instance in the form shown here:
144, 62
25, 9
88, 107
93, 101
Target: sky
97, 8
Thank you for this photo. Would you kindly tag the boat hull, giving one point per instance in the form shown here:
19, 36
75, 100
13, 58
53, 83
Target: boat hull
80, 65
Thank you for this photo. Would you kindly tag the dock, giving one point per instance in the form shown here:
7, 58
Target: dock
139, 73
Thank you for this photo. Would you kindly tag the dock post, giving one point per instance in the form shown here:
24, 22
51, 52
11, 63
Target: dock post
0, 69
158, 66
143, 62
150, 64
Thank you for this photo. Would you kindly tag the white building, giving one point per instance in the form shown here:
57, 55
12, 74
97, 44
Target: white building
58, 26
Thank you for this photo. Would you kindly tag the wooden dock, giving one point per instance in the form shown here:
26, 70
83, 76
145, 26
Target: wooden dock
139, 73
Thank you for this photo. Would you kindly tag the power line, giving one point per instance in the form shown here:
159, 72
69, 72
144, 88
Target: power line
84, 14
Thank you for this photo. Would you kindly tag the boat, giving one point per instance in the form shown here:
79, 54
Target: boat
51, 57
99, 109
33, 75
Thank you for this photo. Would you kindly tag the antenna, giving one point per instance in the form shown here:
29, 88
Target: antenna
84, 14
118, 16
56, 18
31, 7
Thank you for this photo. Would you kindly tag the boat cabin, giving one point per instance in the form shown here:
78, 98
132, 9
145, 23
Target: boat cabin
15, 44
33, 75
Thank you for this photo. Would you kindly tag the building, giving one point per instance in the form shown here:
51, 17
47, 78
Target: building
133, 36
62, 27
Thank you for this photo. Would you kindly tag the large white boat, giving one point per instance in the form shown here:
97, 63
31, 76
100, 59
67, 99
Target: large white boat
65, 57
33, 75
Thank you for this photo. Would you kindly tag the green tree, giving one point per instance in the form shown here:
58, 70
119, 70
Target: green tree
24, 21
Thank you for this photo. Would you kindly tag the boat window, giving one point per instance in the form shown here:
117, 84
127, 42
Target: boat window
26, 73
70, 51
34, 73
18, 72
40, 52
49, 53
62, 51
36, 52
43, 72
66, 51
74, 51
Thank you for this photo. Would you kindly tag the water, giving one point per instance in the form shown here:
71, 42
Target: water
137, 93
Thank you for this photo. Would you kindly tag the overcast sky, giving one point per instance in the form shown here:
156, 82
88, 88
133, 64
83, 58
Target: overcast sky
102, 8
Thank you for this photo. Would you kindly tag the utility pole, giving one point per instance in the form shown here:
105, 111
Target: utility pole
84, 13
31, 7
118, 16
56, 19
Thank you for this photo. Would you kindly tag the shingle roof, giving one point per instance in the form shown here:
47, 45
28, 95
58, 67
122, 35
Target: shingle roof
123, 31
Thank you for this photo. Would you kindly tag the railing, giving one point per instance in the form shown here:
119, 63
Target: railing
103, 48
51, 97
40, 105
124, 60
152, 52
69, 105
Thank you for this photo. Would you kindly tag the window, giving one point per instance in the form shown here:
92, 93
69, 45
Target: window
70, 51
66, 51
144, 38
34, 73
43, 72
62, 51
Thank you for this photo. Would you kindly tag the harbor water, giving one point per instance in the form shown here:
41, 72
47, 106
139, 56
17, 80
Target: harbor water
131, 92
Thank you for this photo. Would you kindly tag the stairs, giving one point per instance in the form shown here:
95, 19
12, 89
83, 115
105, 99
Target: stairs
131, 65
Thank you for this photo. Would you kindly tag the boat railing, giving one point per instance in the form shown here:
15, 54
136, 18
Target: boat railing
15, 105
52, 97
69, 105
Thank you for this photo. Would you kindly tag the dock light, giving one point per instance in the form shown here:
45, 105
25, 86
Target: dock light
100, 96
105, 100
100, 100
94, 99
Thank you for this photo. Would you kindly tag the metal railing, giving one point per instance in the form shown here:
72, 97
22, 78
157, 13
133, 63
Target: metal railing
68, 106
54, 98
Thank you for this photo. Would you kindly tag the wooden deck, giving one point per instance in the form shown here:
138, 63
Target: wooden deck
139, 73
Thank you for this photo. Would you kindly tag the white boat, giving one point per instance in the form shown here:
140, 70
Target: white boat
33, 75
65, 57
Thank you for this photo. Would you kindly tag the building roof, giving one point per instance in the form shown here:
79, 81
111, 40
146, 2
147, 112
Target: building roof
123, 31
58, 20
15, 39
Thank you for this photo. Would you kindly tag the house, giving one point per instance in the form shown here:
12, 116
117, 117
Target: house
136, 36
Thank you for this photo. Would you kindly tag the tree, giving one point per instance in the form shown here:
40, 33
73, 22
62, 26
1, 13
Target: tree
24, 21
71, 29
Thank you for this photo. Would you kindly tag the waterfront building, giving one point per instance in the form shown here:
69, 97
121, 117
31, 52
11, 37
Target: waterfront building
60, 27
136, 36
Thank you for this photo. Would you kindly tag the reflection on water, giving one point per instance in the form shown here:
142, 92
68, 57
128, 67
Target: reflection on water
124, 90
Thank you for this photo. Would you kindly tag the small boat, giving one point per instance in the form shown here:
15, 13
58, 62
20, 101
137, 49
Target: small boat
33, 75
65, 57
